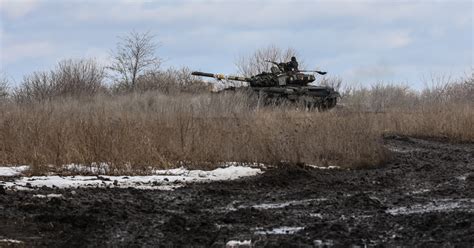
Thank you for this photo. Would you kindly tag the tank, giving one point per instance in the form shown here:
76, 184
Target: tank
283, 85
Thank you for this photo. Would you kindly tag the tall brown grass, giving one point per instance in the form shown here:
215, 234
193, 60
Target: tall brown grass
443, 109
145, 131
452, 121
140, 131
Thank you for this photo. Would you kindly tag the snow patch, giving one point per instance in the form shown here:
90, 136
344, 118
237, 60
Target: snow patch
316, 215
416, 192
279, 230
442, 205
94, 168
168, 180
227, 164
48, 196
11, 171
331, 167
234, 206
285, 204
323, 243
103, 168
402, 149
463, 177
238, 243
12, 241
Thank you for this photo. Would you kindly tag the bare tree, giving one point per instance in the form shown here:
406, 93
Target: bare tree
256, 63
135, 53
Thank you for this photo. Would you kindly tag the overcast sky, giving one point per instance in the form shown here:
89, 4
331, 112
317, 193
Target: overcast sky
361, 41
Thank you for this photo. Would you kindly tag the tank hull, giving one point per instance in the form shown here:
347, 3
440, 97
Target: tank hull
313, 97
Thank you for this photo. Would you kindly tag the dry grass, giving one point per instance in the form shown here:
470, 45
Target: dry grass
142, 131
444, 109
155, 131
453, 121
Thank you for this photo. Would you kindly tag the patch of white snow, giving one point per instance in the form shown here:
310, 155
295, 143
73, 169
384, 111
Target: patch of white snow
285, 204
94, 168
463, 177
323, 243
279, 230
48, 196
11, 241
316, 215
416, 192
331, 167
174, 179
10, 171
238, 243
442, 205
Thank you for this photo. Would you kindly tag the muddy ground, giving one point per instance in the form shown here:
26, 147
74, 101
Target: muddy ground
424, 195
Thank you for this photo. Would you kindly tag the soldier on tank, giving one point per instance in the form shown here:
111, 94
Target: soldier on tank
293, 64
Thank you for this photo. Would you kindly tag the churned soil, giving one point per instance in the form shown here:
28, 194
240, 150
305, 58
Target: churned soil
423, 196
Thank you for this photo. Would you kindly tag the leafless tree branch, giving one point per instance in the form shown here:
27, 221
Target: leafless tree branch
256, 63
134, 55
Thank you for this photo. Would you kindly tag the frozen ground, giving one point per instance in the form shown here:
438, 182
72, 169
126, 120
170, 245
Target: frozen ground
423, 196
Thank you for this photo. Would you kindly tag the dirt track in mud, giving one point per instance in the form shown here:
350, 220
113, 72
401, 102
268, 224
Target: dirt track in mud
424, 195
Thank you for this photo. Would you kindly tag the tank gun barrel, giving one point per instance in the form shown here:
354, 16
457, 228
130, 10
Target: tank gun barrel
319, 72
202, 74
220, 76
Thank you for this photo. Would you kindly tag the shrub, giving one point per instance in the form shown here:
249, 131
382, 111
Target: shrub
71, 78
171, 81
4, 89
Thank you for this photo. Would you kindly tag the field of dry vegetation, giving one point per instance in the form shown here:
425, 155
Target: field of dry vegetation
170, 119
158, 131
